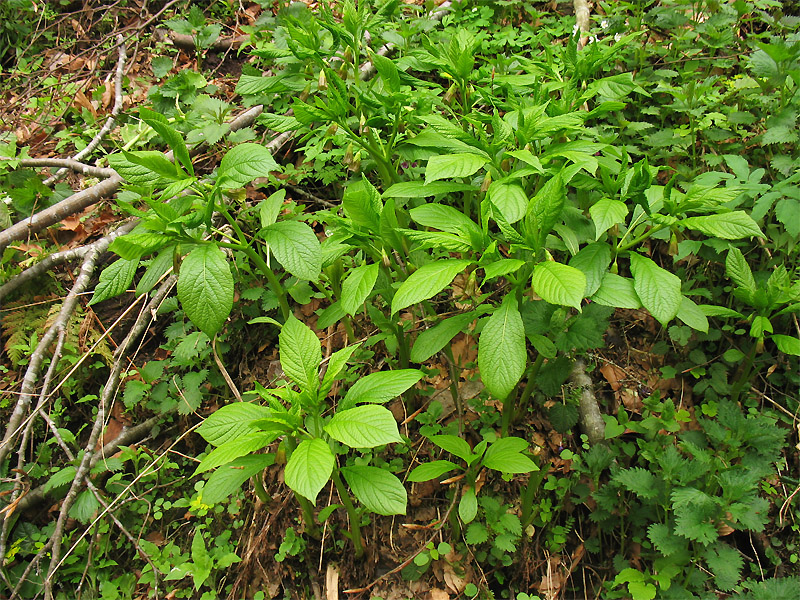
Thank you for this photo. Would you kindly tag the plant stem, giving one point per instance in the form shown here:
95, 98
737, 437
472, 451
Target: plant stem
454, 375
352, 513
640, 239
534, 482
262, 265
508, 412
744, 373
530, 385
258, 487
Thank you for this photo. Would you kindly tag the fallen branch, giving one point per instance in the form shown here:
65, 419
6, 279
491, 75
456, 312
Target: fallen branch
187, 42
109, 390
66, 164
59, 258
110, 122
81, 200
591, 418
582, 21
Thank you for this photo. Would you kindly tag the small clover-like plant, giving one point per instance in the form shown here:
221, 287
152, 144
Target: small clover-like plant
312, 435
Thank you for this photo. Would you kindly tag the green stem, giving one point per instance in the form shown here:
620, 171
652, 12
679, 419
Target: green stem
530, 385
454, 375
352, 513
346, 320
258, 487
640, 239
273, 280
534, 482
745, 373
508, 412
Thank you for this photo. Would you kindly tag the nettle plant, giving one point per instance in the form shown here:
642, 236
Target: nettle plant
684, 493
314, 437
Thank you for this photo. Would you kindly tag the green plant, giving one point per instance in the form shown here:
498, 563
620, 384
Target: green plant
506, 455
687, 492
311, 435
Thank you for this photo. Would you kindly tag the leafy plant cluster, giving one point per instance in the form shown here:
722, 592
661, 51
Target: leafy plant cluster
495, 180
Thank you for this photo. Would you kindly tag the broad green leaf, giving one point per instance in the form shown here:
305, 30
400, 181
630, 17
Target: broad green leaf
692, 316
501, 349
174, 139
85, 507
162, 263
300, 353
231, 450
421, 189
364, 426
358, 286
468, 505
427, 281
159, 166
787, 344
136, 245
728, 226
711, 310
432, 340
446, 166
205, 288
115, 279
362, 204
60, 478
446, 218
431, 470
504, 266
739, 271
510, 199
658, 289
229, 478
545, 210
387, 71
270, 208
296, 248
454, 445
309, 468
593, 260
380, 387
559, 284
136, 173
606, 213
244, 163
618, 292
438, 239
505, 455
336, 365
377, 489
232, 421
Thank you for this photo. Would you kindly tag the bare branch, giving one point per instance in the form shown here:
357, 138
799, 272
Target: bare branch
59, 258
38, 355
582, 20
110, 122
591, 419
67, 164
109, 390
52, 215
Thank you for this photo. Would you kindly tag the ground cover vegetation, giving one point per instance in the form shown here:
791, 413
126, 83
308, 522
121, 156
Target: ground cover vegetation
477, 299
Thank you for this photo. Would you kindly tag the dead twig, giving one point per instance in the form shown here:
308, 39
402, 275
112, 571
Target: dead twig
108, 125
143, 321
